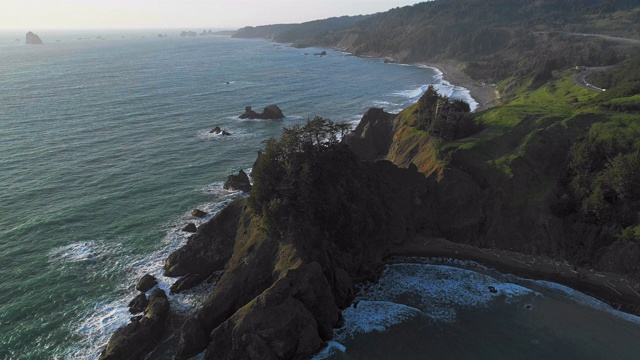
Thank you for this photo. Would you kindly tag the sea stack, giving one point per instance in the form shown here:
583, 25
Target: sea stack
33, 39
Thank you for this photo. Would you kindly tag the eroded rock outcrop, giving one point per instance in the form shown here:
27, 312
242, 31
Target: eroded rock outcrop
136, 339
146, 283
211, 246
271, 112
289, 320
238, 182
280, 295
373, 136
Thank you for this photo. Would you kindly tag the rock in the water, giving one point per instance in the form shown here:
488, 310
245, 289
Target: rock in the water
33, 39
321, 53
136, 339
271, 112
146, 283
238, 182
190, 227
187, 282
198, 213
138, 304
217, 131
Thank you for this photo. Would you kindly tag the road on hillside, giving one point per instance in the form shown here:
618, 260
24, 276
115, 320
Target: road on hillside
621, 40
581, 78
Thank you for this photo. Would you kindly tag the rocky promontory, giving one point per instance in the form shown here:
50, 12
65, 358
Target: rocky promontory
238, 182
320, 219
33, 39
271, 112
142, 334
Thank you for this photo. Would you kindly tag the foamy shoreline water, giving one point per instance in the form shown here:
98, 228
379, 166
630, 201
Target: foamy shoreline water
431, 293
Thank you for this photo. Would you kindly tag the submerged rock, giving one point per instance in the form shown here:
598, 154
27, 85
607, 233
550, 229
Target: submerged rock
217, 131
271, 112
146, 283
33, 39
136, 339
238, 182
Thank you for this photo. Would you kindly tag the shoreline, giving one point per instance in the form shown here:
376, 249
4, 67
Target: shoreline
618, 291
484, 94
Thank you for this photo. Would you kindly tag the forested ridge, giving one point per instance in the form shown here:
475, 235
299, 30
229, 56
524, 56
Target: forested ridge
496, 39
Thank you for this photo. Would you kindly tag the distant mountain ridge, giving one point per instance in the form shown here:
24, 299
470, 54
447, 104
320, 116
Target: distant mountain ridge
288, 33
497, 38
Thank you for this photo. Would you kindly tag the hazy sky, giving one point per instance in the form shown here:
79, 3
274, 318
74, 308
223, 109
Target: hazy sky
69, 14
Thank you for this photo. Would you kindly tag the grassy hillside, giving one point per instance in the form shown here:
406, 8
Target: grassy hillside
556, 170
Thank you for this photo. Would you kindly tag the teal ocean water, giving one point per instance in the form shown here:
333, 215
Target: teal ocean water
105, 149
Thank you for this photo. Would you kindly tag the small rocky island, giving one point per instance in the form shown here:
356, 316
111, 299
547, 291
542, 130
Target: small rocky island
33, 39
218, 131
271, 112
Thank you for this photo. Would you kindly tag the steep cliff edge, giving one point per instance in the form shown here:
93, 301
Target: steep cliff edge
517, 184
297, 251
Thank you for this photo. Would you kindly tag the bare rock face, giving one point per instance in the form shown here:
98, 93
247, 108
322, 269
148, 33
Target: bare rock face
33, 39
190, 227
137, 338
210, 248
271, 112
373, 136
290, 320
138, 304
238, 182
146, 283
198, 213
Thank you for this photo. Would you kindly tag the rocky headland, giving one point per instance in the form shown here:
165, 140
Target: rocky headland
290, 256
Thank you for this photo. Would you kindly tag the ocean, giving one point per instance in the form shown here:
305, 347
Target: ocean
105, 149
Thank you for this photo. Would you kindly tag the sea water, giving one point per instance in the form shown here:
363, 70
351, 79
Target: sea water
105, 149
449, 309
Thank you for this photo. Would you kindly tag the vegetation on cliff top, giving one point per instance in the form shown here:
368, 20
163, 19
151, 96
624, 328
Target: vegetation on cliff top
309, 177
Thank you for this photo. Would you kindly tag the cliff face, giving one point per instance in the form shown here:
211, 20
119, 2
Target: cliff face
505, 186
280, 295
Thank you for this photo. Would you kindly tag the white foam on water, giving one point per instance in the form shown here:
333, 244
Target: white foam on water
83, 251
331, 348
236, 133
96, 329
439, 290
413, 94
585, 300
370, 316
99, 324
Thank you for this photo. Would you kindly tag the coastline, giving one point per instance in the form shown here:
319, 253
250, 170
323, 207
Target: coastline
618, 291
484, 94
